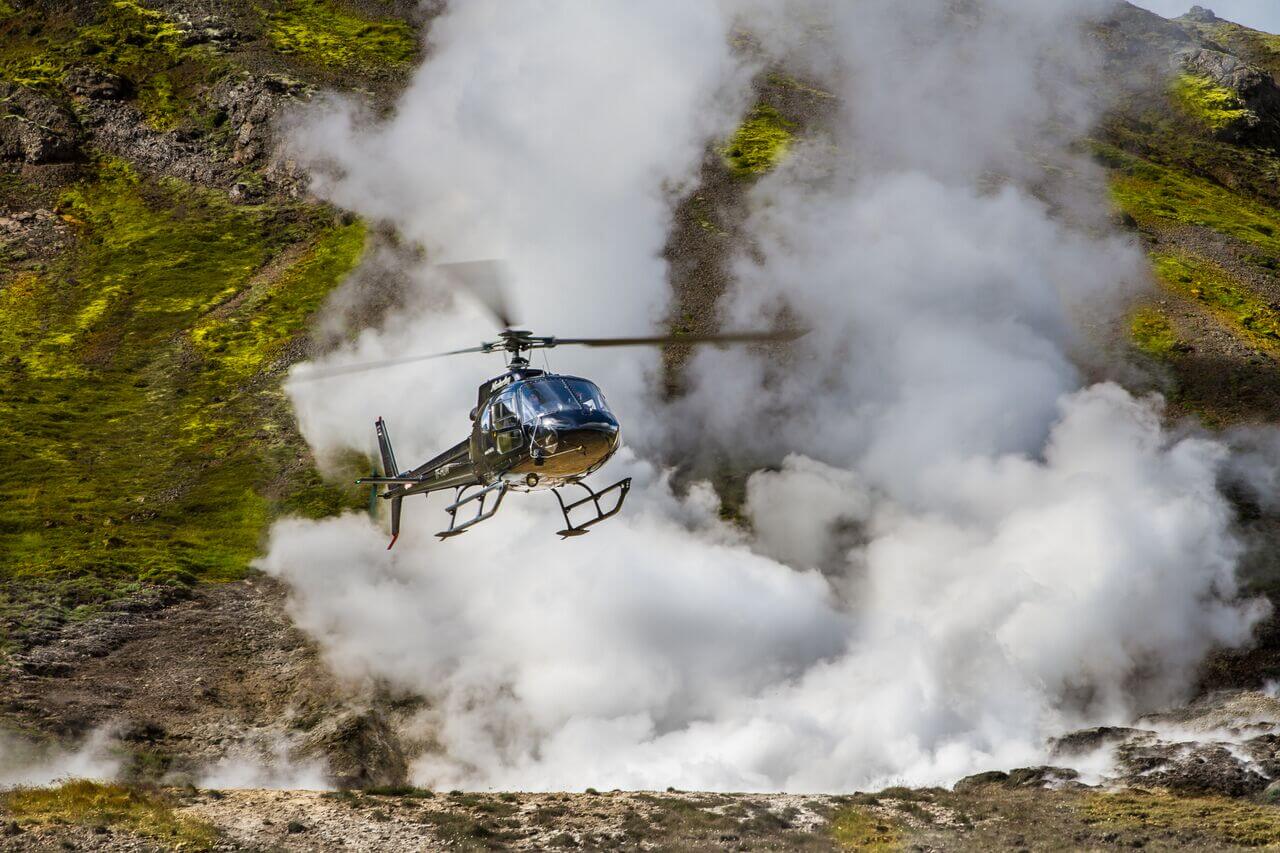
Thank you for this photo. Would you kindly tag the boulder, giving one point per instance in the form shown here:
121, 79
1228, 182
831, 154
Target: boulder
249, 102
34, 128
1085, 741
1022, 777
981, 780
1255, 88
94, 83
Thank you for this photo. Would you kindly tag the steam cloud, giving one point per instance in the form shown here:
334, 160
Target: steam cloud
23, 762
963, 548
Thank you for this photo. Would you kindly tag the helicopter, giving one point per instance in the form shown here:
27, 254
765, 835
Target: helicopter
531, 430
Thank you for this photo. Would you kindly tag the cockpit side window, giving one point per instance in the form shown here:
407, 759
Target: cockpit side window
504, 411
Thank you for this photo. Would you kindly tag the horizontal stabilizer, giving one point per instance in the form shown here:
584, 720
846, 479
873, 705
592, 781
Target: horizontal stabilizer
389, 481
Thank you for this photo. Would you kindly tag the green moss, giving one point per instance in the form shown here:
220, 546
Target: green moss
1156, 195
125, 38
1214, 819
323, 33
129, 451
855, 828
85, 803
1153, 333
130, 38
759, 143
1246, 312
1213, 106
251, 338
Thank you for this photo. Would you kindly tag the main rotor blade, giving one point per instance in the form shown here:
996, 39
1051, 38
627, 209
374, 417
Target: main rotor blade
489, 281
343, 370
772, 336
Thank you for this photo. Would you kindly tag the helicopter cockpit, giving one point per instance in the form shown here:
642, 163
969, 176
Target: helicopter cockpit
550, 415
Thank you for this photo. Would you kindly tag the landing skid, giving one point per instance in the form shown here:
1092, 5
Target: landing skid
498, 490
593, 497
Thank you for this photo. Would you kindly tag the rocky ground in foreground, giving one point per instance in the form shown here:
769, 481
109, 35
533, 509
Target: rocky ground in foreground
1012, 813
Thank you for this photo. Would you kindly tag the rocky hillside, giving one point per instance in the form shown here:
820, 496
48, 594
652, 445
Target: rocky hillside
161, 262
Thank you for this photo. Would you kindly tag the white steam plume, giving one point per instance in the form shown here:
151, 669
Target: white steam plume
23, 762
964, 551
265, 761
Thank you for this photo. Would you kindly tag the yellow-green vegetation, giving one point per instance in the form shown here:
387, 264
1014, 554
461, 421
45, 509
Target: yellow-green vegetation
1215, 819
1156, 195
85, 803
325, 34
1152, 332
251, 337
1212, 286
1214, 106
759, 143
126, 38
139, 439
856, 828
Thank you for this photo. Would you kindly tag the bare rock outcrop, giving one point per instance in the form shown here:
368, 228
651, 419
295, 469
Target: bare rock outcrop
35, 128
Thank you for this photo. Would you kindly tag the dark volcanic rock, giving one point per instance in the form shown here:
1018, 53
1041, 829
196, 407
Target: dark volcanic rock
1040, 777
250, 102
35, 128
1089, 740
95, 83
981, 780
1255, 88
1022, 777
1193, 768
1201, 15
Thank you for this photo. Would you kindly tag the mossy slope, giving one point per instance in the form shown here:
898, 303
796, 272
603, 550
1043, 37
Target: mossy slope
141, 436
324, 33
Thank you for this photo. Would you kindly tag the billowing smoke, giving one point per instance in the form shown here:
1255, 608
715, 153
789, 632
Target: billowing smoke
961, 550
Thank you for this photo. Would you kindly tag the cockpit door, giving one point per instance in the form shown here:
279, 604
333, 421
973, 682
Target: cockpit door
505, 434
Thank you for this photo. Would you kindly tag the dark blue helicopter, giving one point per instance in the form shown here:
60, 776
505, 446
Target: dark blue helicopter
530, 430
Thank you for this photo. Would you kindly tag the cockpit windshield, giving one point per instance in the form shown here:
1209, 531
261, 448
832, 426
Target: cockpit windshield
556, 394
588, 395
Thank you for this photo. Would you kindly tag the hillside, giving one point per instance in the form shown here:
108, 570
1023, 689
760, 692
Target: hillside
161, 267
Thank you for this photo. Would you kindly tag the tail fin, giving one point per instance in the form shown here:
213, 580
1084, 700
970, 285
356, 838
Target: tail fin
395, 521
389, 468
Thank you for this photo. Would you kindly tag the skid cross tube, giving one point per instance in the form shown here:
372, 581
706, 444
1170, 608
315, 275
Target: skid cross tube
481, 513
593, 497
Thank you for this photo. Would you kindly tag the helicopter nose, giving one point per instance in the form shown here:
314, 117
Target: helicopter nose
595, 439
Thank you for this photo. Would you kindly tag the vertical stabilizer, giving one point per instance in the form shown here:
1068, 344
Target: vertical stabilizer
389, 468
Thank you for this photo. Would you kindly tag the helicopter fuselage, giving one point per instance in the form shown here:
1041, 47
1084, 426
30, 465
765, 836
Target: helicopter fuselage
535, 430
